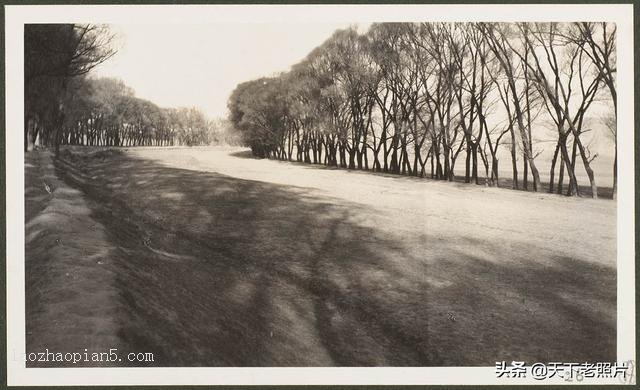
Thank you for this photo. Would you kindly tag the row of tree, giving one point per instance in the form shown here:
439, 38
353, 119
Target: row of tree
55, 55
415, 98
63, 106
105, 112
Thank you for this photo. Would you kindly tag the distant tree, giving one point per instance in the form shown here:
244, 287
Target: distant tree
221, 132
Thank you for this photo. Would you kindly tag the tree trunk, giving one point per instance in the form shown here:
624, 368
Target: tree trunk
561, 176
525, 173
573, 182
467, 165
474, 155
553, 168
615, 174
514, 162
571, 170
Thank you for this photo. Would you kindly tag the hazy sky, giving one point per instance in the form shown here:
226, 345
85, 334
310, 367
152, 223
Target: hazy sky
176, 65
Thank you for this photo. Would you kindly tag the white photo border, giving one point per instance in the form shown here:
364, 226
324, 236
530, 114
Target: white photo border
17, 16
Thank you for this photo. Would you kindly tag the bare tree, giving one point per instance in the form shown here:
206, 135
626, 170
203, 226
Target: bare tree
503, 49
598, 42
558, 92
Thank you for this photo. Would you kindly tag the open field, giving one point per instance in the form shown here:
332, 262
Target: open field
206, 257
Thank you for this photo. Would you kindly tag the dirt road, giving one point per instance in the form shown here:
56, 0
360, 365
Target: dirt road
224, 260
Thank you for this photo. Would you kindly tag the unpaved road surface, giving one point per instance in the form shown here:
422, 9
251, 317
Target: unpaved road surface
224, 260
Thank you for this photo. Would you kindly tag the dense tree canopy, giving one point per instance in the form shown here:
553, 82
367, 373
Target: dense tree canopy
411, 98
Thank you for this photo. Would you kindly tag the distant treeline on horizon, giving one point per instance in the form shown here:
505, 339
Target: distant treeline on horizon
105, 112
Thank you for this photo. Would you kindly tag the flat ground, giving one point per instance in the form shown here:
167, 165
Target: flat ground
212, 258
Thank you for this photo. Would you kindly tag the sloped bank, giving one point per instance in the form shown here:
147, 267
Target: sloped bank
72, 303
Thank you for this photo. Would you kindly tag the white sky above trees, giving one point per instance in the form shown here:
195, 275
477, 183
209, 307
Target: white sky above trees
176, 65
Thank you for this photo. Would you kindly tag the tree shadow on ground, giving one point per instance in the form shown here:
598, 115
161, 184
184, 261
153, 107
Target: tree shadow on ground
218, 271
245, 154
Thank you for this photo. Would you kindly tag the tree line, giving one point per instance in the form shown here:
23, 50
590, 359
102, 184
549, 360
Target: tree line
423, 98
64, 106
106, 112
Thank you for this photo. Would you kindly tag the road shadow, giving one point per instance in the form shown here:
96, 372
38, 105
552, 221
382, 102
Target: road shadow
219, 271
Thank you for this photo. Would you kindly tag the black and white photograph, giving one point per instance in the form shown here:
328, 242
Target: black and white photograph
307, 194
